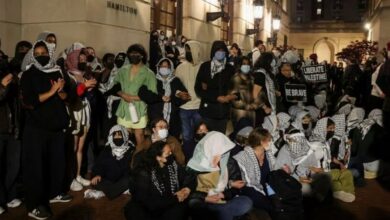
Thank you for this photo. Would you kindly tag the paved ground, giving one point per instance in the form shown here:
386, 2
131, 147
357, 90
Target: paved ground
372, 203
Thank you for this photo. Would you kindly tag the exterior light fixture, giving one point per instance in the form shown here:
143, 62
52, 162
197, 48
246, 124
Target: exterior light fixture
276, 23
258, 12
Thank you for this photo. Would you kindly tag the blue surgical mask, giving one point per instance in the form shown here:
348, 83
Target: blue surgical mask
164, 71
219, 55
245, 68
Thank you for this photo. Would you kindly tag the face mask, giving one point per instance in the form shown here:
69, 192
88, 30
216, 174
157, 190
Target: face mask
43, 60
119, 63
162, 37
110, 66
199, 137
173, 43
164, 71
51, 46
118, 142
189, 56
90, 58
170, 159
82, 66
305, 126
163, 133
245, 68
135, 59
329, 134
219, 55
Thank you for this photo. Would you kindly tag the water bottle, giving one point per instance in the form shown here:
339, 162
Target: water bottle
133, 113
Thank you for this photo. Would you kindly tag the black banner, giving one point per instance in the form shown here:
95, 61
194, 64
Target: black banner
296, 92
315, 73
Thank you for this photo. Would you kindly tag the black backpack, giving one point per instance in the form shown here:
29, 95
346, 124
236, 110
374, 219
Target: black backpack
287, 199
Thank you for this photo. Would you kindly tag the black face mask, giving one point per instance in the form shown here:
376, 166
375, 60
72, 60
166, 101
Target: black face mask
305, 126
199, 137
135, 59
119, 63
329, 135
110, 65
82, 66
118, 141
90, 58
170, 159
189, 56
43, 60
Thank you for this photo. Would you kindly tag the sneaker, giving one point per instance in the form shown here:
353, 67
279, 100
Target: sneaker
14, 203
83, 181
127, 192
93, 194
2, 210
76, 186
344, 196
61, 198
40, 213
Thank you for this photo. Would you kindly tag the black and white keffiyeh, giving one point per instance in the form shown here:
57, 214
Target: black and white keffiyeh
250, 168
173, 179
284, 121
166, 82
270, 86
217, 67
30, 60
298, 147
355, 118
118, 151
375, 117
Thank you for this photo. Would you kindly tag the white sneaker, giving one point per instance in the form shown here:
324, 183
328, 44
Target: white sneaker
76, 186
2, 210
83, 181
127, 192
93, 194
344, 196
14, 203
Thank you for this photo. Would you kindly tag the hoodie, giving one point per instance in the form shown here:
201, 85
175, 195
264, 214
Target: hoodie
187, 73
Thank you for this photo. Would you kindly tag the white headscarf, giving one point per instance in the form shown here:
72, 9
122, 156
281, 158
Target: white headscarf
284, 121
355, 118
166, 83
270, 86
213, 144
375, 117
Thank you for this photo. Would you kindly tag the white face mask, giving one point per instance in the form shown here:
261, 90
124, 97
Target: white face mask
173, 43
245, 68
163, 133
164, 71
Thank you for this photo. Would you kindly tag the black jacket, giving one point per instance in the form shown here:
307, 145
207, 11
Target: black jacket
208, 89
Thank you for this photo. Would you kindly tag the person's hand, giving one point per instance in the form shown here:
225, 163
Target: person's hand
343, 167
316, 169
222, 99
286, 169
238, 184
184, 96
166, 98
55, 86
304, 179
213, 199
61, 84
231, 97
96, 180
183, 194
126, 97
90, 83
6, 80
277, 93
267, 110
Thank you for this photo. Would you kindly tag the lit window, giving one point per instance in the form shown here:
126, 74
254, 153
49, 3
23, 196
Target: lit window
319, 11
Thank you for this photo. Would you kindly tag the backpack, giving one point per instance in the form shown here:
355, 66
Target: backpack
287, 199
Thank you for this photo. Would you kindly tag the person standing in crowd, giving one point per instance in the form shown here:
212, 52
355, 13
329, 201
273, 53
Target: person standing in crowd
256, 52
189, 112
282, 78
93, 62
131, 78
171, 94
235, 56
181, 48
364, 85
21, 50
242, 87
351, 79
264, 90
155, 53
161, 186
172, 52
335, 81
212, 85
111, 170
43, 90
162, 40
80, 111
213, 194
10, 133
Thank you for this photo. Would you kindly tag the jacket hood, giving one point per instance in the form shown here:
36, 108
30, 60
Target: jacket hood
170, 64
217, 45
196, 51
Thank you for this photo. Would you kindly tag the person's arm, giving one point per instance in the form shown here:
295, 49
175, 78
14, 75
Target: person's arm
201, 89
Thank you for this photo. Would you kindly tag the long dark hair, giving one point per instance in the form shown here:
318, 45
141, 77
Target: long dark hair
264, 62
148, 157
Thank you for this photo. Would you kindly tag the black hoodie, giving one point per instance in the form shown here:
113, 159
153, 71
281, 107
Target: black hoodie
208, 89
16, 62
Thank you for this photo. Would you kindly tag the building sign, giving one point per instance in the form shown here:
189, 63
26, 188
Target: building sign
122, 8
315, 73
295, 92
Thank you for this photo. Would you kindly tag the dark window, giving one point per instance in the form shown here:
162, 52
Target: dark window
163, 15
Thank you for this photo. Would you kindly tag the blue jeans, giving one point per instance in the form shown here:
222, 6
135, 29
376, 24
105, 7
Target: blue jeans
235, 207
189, 119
